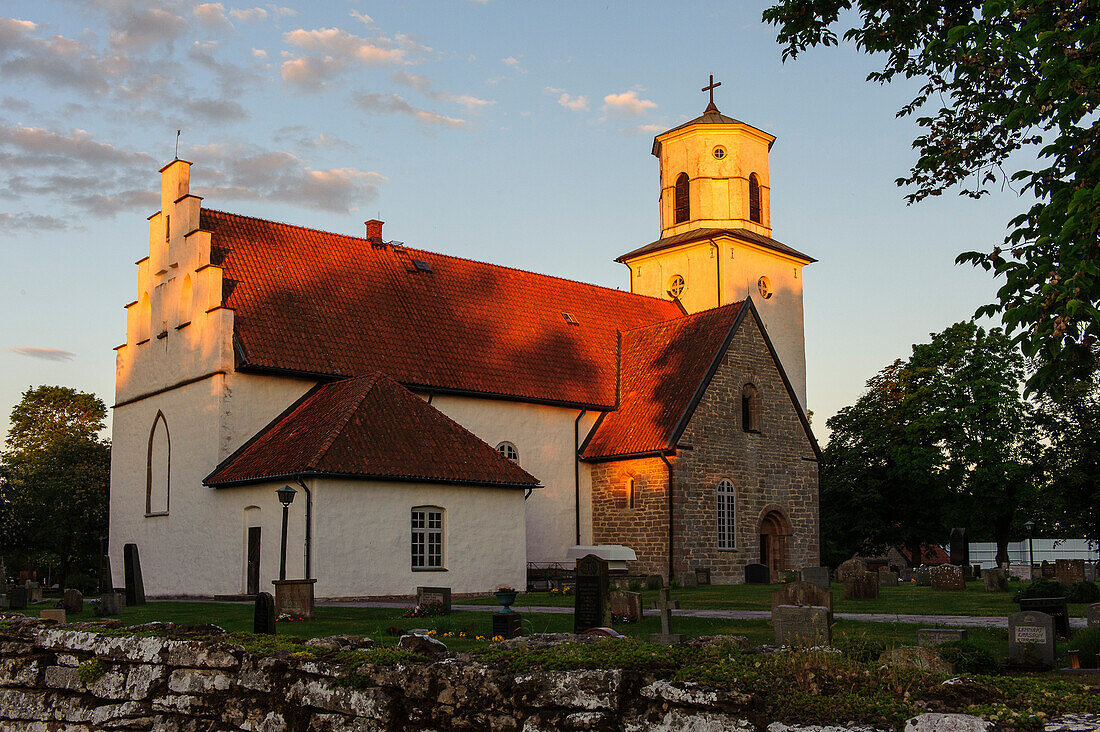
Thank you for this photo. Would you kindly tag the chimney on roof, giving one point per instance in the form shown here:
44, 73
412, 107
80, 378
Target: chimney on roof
374, 231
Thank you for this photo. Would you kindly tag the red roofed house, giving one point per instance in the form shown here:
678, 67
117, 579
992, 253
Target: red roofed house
446, 421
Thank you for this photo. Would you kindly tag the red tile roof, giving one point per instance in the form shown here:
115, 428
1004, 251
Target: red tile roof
368, 427
328, 304
664, 367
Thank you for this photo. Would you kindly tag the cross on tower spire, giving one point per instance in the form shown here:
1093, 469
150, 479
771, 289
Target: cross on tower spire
710, 88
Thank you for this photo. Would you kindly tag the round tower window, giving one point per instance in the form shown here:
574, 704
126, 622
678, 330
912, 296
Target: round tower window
719, 152
765, 287
676, 286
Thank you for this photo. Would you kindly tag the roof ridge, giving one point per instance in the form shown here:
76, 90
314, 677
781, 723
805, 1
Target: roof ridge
440, 254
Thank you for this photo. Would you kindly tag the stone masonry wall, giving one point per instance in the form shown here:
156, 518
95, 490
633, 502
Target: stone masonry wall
643, 528
772, 468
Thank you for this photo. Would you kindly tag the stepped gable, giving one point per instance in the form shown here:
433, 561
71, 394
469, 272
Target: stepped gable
664, 367
325, 304
373, 428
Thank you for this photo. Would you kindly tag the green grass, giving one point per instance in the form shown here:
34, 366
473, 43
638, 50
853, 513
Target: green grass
906, 599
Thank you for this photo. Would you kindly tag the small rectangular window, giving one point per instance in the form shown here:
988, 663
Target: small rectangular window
630, 490
427, 538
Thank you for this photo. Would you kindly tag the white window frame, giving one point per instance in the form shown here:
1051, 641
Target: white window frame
509, 451
428, 545
726, 515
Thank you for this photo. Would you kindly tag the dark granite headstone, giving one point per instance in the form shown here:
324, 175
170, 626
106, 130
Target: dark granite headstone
816, 576
135, 588
263, 616
591, 608
1055, 607
73, 602
106, 577
757, 574
428, 595
802, 594
960, 549
17, 598
1031, 639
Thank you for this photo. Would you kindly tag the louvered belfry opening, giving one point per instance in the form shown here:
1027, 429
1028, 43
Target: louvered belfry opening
683, 207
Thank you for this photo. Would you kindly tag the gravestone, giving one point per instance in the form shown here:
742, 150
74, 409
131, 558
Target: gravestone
974, 571
1046, 570
34, 592
1055, 607
818, 576
665, 605
626, 605
960, 549
948, 577
1031, 639
263, 614
1069, 571
803, 594
702, 575
797, 625
110, 603
135, 588
853, 565
428, 595
73, 602
757, 574
17, 598
688, 580
106, 577
654, 582
1093, 614
905, 575
995, 580
932, 637
923, 576
591, 608
861, 586
58, 615
1090, 572
886, 578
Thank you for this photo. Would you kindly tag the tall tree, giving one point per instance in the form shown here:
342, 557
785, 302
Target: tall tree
54, 478
1071, 425
1005, 75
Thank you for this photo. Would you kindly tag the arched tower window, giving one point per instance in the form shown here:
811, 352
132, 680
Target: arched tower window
184, 315
158, 467
726, 504
754, 199
144, 318
683, 206
750, 408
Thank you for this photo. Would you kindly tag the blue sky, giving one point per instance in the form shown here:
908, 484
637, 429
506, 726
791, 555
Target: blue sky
510, 132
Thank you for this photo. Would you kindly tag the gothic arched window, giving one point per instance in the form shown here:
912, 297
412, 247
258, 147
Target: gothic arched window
750, 408
158, 467
754, 199
727, 526
682, 205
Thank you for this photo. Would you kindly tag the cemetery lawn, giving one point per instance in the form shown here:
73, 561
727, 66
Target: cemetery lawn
906, 599
869, 639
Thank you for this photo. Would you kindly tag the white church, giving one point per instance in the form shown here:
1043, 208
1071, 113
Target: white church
447, 422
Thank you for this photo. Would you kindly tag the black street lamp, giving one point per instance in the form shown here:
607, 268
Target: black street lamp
1030, 526
286, 497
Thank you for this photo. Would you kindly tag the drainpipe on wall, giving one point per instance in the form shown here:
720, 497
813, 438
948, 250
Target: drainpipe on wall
717, 269
577, 471
309, 528
671, 568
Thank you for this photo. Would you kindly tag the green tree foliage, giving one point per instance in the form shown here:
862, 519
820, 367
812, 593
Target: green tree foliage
1071, 425
54, 479
998, 76
940, 439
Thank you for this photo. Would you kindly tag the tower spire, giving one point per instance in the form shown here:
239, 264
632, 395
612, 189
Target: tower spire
710, 88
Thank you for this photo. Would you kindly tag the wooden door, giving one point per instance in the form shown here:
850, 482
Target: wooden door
253, 560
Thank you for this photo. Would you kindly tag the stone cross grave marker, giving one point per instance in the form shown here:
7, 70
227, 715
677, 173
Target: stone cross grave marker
1031, 639
852, 566
948, 577
960, 548
1055, 607
886, 578
135, 588
428, 595
802, 625
757, 574
861, 586
803, 594
591, 608
932, 637
666, 605
1069, 571
263, 615
73, 601
816, 576
627, 605
1093, 615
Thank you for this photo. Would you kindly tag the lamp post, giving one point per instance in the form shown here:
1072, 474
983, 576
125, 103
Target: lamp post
1030, 526
286, 497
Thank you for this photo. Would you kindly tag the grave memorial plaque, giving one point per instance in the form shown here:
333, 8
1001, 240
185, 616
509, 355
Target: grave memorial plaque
995, 580
110, 603
1069, 571
803, 594
1046, 570
948, 577
34, 592
626, 605
428, 595
688, 580
886, 578
923, 576
17, 598
757, 574
1055, 607
960, 549
654, 582
932, 637
58, 616
702, 575
1031, 639
135, 588
818, 576
1093, 614
263, 615
850, 567
861, 586
802, 625
73, 602
591, 608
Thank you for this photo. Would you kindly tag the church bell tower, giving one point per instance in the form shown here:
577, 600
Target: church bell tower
716, 244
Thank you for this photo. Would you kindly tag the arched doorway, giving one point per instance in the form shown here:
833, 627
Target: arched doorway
774, 533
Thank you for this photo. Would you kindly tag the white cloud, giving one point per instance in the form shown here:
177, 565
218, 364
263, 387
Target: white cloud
14, 32
248, 15
362, 17
259, 53
281, 12
573, 104
211, 15
46, 354
627, 104
514, 63
395, 104
336, 51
